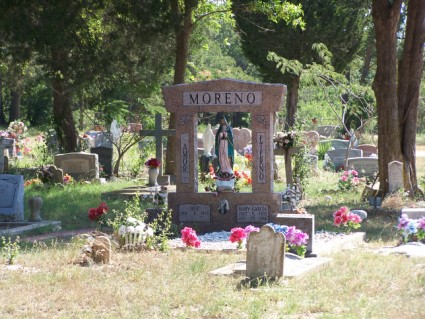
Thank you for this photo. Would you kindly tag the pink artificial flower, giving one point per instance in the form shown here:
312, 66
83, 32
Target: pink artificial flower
421, 223
354, 173
189, 237
344, 178
249, 229
237, 234
337, 220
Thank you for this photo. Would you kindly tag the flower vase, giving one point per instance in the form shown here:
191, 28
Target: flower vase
153, 176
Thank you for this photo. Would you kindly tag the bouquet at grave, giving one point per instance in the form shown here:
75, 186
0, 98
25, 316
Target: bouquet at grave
152, 163
346, 219
411, 229
239, 234
67, 179
247, 151
96, 214
285, 140
348, 180
242, 179
135, 232
189, 237
296, 239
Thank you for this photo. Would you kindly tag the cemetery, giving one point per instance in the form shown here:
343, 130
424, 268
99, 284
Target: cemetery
188, 159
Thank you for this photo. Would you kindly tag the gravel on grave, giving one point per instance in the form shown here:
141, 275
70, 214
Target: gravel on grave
220, 240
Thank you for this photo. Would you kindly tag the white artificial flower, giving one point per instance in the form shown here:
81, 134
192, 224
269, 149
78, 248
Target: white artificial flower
122, 230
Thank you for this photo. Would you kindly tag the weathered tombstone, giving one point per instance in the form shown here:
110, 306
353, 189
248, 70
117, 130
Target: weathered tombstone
337, 157
102, 250
105, 156
365, 166
2, 169
158, 133
368, 149
337, 144
225, 95
35, 204
57, 174
303, 222
79, 165
327, 130
9, 145
241, 139
395, 176
246, 136
313, 160
11, 198
265, 253
312, 139
236, 139
414, 213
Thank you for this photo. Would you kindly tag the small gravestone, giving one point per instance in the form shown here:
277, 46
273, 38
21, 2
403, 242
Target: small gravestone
327, 130
57, 174
102, 250
11, 198
2, 168
395, 176
365, 166
35, 204
313, 160
368, 149
414, 213
9, 145
337, 157
337, 144
265, 253
105, 156
79, 165
246, 136
303, 222
242, 137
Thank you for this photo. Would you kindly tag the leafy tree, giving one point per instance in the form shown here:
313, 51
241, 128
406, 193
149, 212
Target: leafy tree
396, 86
337, 24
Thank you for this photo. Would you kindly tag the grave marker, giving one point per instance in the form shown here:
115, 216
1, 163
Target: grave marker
195, 213
327, 130
11, 198
337, 157
365, 166
79, 165
158, 133
252, 214
105, 156
395, 176
265, 253
368, 149
337, 144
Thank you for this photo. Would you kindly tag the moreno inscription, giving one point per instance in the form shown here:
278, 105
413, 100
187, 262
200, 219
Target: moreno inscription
222, 98
195, 213
252, 213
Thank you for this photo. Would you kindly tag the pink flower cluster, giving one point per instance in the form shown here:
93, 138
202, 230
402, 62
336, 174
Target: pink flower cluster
348, 180
189, 237
238, 234
296, 237
343, 217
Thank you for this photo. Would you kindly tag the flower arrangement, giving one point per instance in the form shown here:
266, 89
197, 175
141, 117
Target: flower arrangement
135, 232
67, 179
33, 181
411, 229
348, 180
247, 151
285, 140
189, 237
344, 218
296, 239
238, 234
242, 179
95, 214
152, 163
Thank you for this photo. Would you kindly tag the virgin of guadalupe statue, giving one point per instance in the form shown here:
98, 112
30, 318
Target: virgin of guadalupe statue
224, 149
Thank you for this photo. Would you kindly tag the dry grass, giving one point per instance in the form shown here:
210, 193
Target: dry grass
177, 285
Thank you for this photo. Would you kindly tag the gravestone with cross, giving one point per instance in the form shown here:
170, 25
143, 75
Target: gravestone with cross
158, 133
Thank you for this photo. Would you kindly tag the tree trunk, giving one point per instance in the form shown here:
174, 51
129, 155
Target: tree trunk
385, 18
292, 102
367, 58
183, 31
409, 80
15, 104
2, 117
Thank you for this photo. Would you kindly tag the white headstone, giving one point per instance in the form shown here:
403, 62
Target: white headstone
208, 140
265, 253
395, 176
365, 166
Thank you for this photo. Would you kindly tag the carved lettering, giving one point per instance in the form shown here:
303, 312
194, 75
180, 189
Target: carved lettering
222, 98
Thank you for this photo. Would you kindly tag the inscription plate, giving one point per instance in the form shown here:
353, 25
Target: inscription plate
195, 213
185, 158
8, 188
252, 213
261, 166
254, 98
76, 165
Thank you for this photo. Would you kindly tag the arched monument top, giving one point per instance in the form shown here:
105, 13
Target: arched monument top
224, 95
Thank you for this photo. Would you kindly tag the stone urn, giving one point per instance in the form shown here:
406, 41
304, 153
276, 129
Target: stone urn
153, 176
35, 204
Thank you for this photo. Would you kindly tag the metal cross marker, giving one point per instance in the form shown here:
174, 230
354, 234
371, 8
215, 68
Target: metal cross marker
158, 133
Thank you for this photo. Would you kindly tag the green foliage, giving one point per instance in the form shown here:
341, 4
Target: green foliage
302, 167
10, 249
322, 149
162, 227
132, 208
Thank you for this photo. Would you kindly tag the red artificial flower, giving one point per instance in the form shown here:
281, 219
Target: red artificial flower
96, 213
237, 234
152, 163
